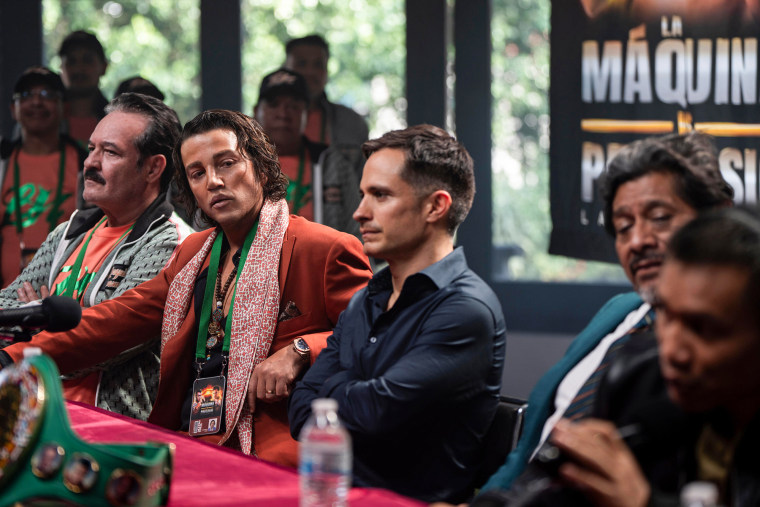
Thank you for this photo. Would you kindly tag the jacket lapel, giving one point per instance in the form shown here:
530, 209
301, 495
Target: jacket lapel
288, 242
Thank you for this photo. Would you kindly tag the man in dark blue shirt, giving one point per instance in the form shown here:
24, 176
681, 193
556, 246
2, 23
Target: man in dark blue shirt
415, 360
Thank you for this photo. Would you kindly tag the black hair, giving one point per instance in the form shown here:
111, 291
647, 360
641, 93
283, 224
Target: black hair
252, 143
138, 84
691, 159
434, 160
82, 39
161, 134
726, 236
309, 40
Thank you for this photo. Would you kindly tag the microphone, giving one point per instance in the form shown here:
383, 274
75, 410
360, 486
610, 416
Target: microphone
55, 313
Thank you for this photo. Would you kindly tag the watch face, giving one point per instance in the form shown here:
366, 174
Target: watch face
301, 345
22, 399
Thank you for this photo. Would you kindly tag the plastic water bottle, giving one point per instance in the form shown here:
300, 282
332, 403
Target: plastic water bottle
699, 494
325, 457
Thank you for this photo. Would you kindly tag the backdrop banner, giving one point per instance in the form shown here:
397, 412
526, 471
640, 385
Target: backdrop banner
622, 70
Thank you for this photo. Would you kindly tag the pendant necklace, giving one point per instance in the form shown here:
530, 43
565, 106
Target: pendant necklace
215, 331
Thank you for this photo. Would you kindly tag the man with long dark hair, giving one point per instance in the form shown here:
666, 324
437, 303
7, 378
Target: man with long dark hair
245, 306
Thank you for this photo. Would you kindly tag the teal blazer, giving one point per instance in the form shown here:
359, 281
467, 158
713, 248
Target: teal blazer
541, 400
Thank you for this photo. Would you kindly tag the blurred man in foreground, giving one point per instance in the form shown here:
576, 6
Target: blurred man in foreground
39, 171
708, 332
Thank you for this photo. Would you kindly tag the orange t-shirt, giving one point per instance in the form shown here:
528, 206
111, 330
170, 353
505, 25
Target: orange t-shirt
38, 182
104, 240
299, 192
314, 127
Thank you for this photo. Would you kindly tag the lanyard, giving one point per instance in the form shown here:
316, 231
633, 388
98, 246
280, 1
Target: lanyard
55, 211
296, 189
73, 277
208, 295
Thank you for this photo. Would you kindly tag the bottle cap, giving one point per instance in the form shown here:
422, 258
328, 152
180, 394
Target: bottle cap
700, 493
323, 404
32, 351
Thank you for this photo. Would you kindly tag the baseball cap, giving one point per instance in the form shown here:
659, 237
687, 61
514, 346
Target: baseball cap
283, 81
39, 76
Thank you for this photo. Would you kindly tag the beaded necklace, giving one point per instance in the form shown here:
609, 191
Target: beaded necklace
215, 331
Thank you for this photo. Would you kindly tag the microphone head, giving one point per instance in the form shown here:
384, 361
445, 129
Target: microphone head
62, 313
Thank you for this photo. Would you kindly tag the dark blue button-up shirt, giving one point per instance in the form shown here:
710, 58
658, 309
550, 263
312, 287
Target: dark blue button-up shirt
417, 385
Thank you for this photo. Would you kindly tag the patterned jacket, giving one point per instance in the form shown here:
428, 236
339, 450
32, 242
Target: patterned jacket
347, 127
336, 184
128, 383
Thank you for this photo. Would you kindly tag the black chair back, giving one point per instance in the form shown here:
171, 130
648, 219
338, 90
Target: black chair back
501, 437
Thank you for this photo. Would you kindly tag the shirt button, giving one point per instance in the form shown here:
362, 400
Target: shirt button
373, 339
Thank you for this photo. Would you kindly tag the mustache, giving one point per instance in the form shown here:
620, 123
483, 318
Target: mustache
647, 256
93, 175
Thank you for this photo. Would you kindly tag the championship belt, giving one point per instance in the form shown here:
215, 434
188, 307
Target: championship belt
43, 462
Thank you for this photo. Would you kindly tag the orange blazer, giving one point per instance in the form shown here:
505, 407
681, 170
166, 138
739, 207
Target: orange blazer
320, 269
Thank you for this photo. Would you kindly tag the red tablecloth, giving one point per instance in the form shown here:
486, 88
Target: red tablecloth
206, 475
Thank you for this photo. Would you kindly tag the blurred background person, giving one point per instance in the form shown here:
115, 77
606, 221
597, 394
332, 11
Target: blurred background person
322, 183
83, 62
327, 122
39, 170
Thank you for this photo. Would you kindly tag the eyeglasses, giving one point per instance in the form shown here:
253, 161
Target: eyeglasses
26, 95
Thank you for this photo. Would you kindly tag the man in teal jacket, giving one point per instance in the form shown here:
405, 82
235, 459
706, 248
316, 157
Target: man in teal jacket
651, 189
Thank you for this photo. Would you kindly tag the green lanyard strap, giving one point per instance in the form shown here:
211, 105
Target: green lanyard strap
75, 273
55, 212
297, 190
208, 295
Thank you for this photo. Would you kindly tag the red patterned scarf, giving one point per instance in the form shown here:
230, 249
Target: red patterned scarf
254, 315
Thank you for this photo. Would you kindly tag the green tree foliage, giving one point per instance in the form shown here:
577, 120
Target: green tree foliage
157, 39
520, 88
367, 51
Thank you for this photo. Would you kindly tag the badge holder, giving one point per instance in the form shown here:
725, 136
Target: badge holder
206, 408
43, 460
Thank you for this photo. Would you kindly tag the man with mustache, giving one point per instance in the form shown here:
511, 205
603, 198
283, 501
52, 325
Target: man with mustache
83, 62
245, 306
708, 344
651, 189
38, 171
102, 252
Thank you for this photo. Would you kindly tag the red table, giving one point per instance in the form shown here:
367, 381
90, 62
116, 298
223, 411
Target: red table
205, 474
